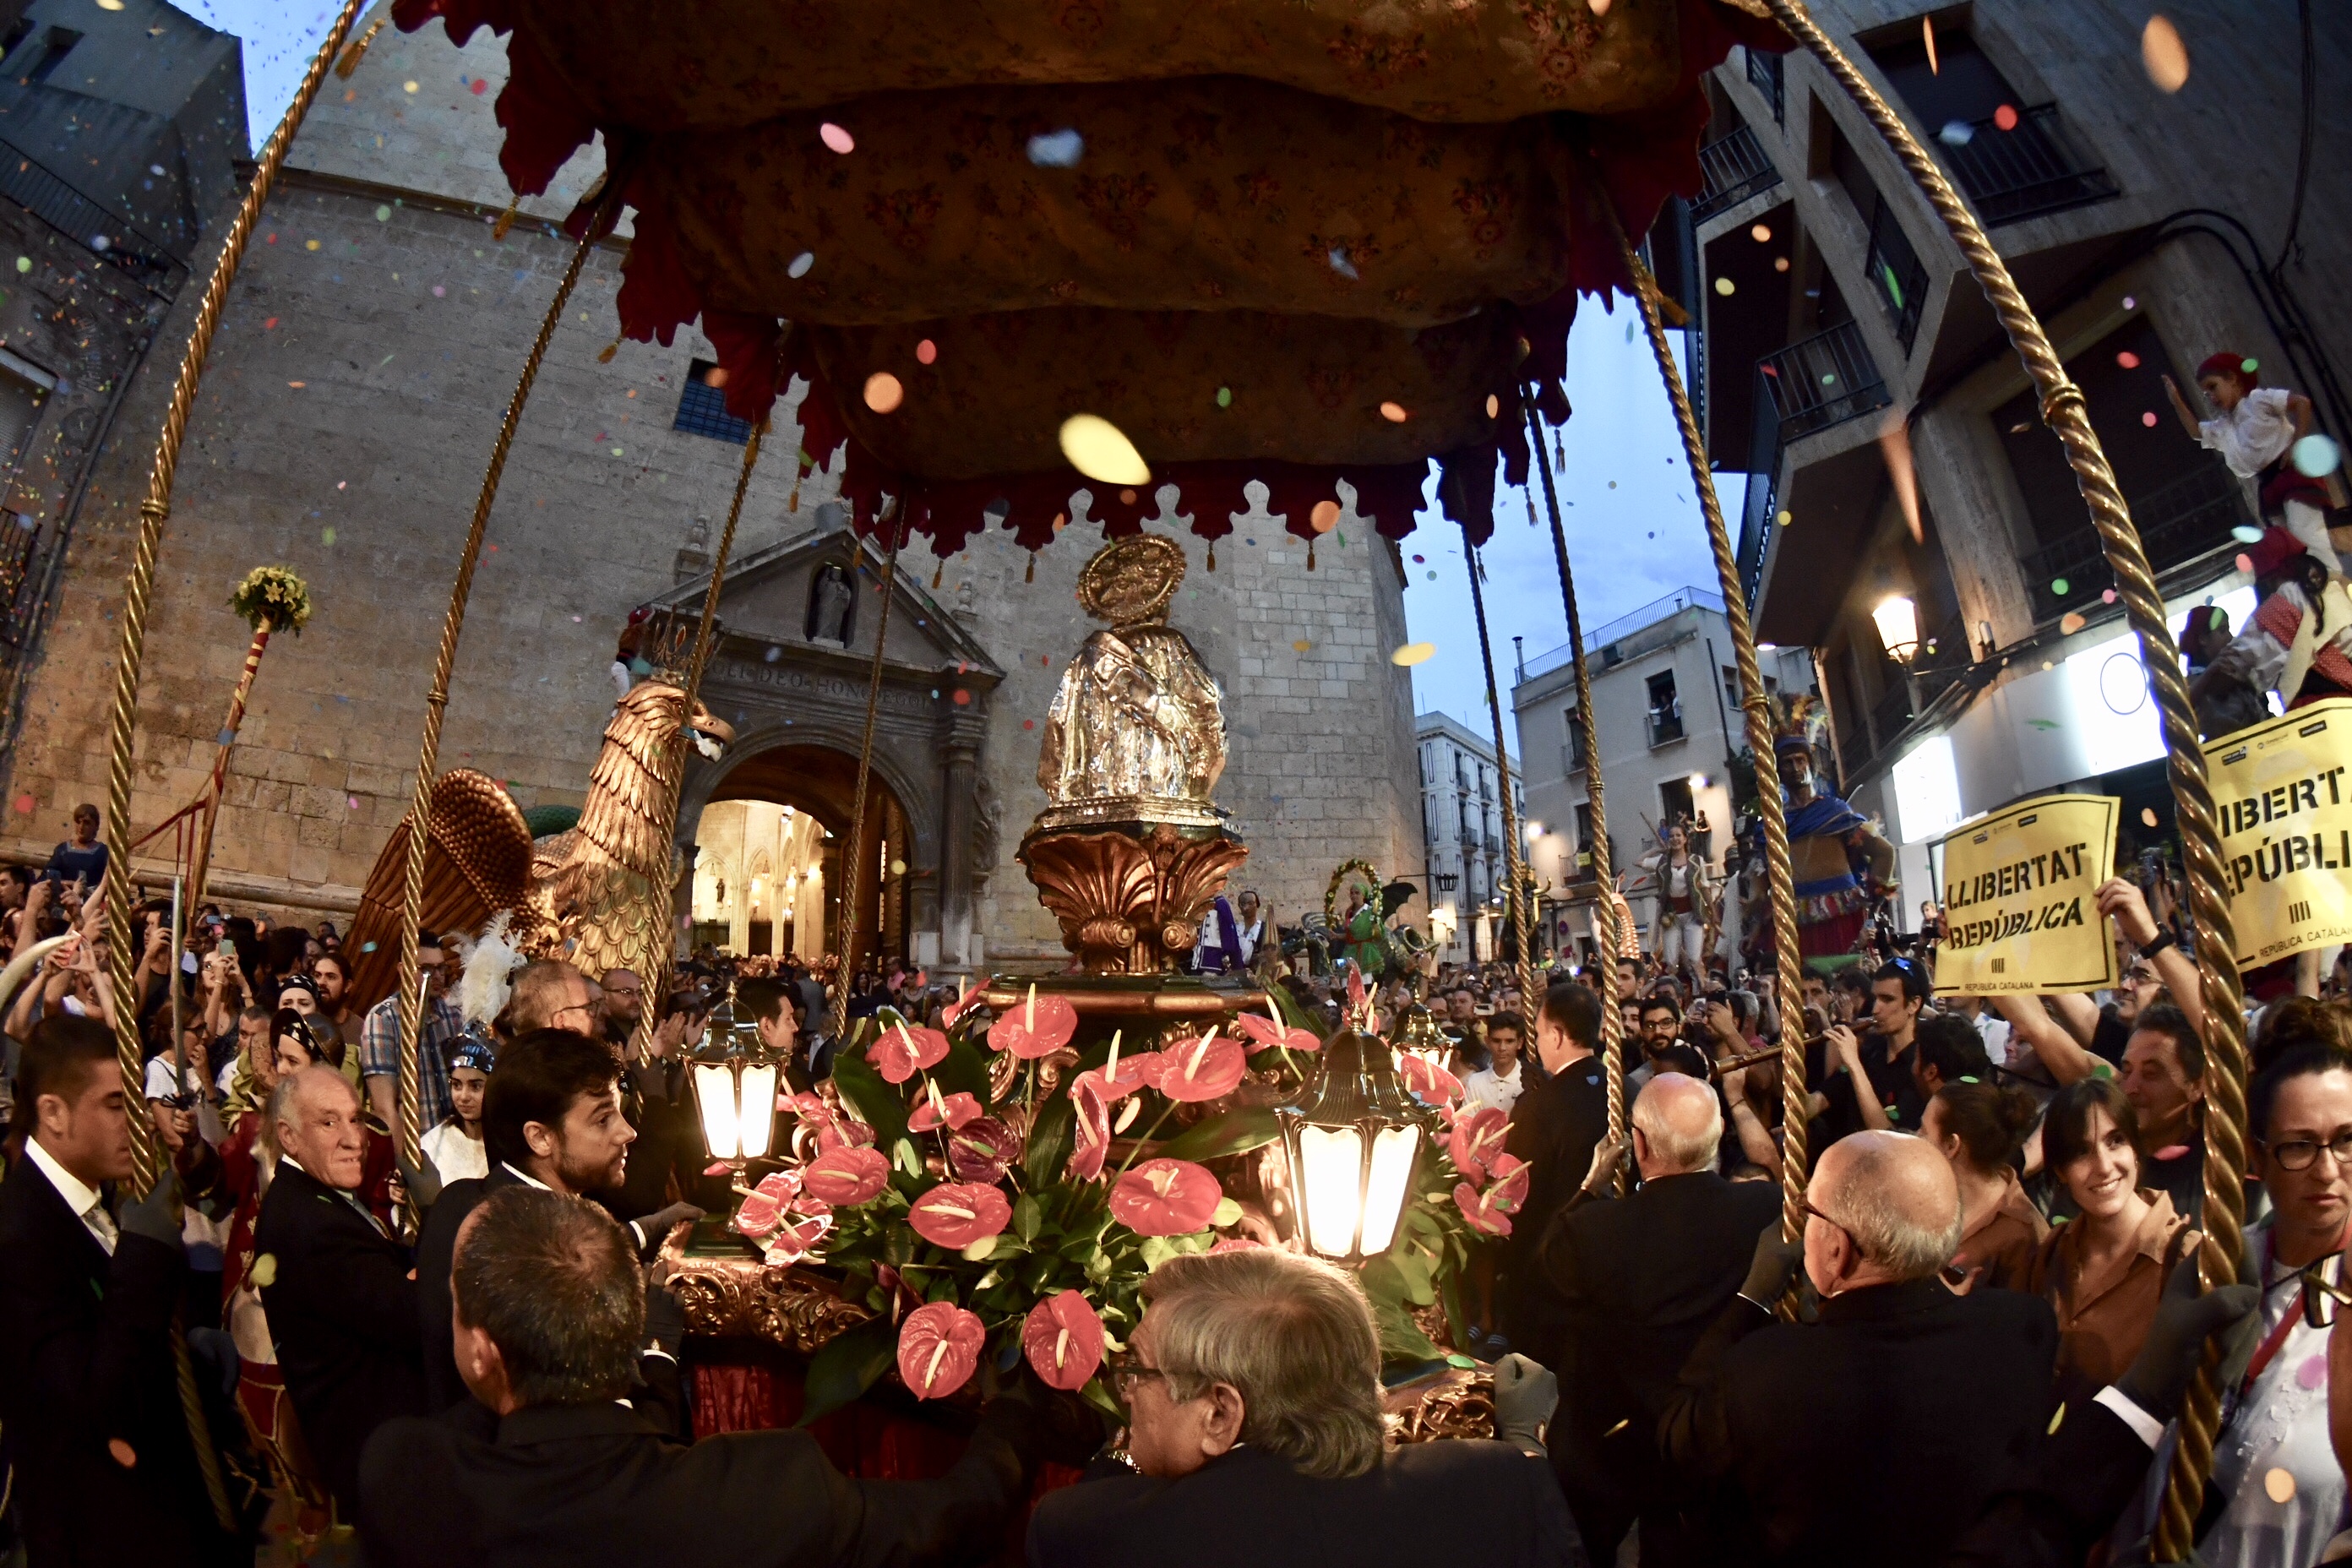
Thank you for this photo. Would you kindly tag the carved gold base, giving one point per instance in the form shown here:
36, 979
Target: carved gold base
728, 1292
1130, 896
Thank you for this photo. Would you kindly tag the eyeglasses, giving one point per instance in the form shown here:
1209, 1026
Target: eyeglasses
554, 1018
1126, 1373
2297, 1153
2140, 975
1839, 1226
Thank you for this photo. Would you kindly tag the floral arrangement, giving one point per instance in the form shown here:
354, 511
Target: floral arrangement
272, 599
995, 1192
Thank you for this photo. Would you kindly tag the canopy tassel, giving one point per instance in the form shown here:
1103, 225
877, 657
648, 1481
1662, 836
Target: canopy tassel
609, 350
350, 58
1213, 555
1310, 555
1030, 575
937, 573
506, 218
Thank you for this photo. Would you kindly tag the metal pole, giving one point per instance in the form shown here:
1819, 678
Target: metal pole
1513, 894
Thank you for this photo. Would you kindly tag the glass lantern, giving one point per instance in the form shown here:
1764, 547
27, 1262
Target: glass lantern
1353, 1137
735, 1077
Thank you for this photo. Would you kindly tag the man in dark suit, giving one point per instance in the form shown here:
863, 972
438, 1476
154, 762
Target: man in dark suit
88, 1397
1638, 1280
1555, 1125
335, 1287
545, 1468
1252, 1388
1875, 1435
551, 1118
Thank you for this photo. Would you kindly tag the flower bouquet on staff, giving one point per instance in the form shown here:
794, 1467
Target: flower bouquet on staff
978, 1189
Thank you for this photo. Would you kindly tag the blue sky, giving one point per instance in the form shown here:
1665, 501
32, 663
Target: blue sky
1633, 528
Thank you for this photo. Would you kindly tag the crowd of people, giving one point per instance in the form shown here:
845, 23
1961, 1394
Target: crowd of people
1994, 1318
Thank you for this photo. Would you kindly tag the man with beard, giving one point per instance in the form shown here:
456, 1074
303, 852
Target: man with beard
552, 1119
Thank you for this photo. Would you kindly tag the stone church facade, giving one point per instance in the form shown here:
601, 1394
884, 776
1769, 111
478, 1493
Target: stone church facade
367, 351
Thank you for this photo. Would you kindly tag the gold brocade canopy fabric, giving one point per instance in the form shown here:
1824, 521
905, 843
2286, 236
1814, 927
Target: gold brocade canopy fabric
1307, 242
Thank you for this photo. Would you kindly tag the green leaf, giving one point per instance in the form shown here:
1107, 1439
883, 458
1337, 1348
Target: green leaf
1095, 1395
847, 1366
1449, 1289
1234, 1133
1296, 1017
1383, 1284
1156, 1250
1418, 1288
1401, 1338
1228, 1211
877, 1103
963, 1070
1026, 1218
908, 1158
1049, 1140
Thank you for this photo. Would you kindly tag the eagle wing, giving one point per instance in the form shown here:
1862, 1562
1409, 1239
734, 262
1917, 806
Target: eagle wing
477, 861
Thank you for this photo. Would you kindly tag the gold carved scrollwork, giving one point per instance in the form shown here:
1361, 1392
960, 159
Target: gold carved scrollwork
1127, 902
743, 1297
1459, 1404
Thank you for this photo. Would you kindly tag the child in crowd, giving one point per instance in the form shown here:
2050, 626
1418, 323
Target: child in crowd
454, 1143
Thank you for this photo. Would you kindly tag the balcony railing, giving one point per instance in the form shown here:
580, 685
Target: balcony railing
1735, 169
1824, 380
1896, 273
2177, 522
2030, 169
1666, 724
1764, 75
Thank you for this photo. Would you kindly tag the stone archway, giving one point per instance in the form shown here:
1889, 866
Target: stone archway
794, 682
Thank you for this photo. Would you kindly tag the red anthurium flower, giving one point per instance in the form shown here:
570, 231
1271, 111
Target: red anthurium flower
1165, 1197
1063, 1339
1201, 1068
1092, 1133
1490, 1211
1235, 1244
954, 1214
981, 1150
939, 1347
846, 1176
904, 1047
794, 1242
1478, 1139
1427, 1079
1122, 1075
763, 1207
935, 1111
1266, 1033
1037, 1027
957, 1009
843, 1132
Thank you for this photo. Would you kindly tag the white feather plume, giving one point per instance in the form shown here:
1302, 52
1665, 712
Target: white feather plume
490, 962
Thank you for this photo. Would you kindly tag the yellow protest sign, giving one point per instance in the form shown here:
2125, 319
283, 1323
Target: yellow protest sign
2282, 794
2019, 915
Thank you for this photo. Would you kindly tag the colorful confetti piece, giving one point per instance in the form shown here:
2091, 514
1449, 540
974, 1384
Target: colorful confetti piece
1413, 653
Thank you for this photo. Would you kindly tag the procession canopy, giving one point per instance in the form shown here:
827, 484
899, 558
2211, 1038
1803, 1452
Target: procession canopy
1304, 242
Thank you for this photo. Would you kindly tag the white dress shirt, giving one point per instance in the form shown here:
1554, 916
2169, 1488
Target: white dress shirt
85, 1200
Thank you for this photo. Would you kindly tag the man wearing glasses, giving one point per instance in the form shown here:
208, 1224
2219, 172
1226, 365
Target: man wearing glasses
1817, 1434
1252, 1388
442, 1025
553, 994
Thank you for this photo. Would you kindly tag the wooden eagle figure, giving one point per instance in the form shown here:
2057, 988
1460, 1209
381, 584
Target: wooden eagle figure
597, 894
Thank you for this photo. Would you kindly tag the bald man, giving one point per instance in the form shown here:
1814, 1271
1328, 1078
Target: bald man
338, 1292
1638, 1280
1873, 1435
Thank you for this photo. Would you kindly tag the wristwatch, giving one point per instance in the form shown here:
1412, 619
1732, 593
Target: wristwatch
2164, 939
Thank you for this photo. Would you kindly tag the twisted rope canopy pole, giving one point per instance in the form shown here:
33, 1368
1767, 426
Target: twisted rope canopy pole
146, 1159
1513, 892
1756, 705
682, 746
411, 996
853, 871
1613, 1024
2063, 410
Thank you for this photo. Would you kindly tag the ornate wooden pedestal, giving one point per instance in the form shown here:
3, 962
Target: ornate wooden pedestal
1129, 895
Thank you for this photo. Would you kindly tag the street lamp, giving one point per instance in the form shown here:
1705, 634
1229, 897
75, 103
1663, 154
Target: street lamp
1353, 1137
1898, 627
735, 1090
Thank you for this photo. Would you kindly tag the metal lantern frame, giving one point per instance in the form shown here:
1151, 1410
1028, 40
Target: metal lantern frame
743, 1060
1353, 1092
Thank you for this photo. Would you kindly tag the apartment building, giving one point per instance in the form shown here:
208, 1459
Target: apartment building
1665, 708
1461, 815
1908, 515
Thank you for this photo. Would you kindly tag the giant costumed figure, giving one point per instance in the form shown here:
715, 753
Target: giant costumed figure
1825, 836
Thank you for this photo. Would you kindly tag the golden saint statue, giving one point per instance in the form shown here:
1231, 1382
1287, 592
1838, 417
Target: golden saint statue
1137, 733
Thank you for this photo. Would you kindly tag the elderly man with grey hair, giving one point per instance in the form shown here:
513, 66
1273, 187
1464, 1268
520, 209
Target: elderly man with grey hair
1637, 1281
338, 1292
1875, 1434
1254, 1416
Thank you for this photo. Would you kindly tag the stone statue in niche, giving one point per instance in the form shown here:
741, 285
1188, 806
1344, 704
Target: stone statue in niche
832, 605
987, 825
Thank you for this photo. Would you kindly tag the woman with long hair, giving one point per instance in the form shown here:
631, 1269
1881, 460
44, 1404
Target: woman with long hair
2103, 1269
1981, 1128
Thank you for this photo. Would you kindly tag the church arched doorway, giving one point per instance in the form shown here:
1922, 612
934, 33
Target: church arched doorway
773, 854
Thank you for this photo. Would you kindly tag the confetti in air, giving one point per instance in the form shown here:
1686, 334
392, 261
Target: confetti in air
2163, 53
1099, 450
837, 137
1413, 653
1057, 149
